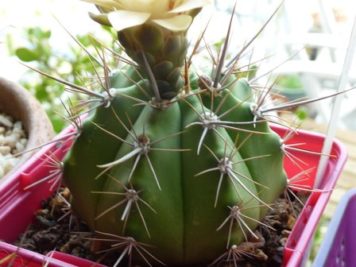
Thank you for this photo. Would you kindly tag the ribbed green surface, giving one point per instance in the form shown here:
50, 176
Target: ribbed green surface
183, 226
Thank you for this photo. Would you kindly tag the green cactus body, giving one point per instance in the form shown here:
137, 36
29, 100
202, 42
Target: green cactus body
178, 214
267, 169
202, 216
96, 147
163, 196
187, 173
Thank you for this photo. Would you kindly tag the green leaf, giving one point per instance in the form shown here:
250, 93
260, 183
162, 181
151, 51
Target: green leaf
47, 34
58, 123
38, 33
41, 93
302, 113
26, 54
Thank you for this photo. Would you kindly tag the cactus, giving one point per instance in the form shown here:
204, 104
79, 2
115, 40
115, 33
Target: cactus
179, 168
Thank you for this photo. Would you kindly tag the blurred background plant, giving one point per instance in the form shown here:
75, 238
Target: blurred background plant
73, 65
292, 88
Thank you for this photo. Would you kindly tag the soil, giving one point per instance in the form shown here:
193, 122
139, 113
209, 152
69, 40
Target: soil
56, 228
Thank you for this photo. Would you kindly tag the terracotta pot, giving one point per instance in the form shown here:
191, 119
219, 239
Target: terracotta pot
19, 104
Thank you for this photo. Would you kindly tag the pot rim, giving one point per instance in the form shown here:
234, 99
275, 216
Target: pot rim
18, 103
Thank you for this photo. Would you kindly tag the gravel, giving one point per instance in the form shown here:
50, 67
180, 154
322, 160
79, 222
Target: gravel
12, 141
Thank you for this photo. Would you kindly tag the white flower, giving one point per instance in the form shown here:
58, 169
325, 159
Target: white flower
170, 14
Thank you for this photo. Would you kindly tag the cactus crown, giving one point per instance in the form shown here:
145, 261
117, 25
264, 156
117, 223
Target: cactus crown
153, 34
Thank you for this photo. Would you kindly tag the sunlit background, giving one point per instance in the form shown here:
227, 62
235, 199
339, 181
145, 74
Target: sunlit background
16, 16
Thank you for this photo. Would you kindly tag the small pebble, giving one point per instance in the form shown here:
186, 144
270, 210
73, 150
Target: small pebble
5, 121
12, 141
19, 147
5, 150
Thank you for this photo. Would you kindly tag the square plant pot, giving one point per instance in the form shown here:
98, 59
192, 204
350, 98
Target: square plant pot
18, 206
338, 247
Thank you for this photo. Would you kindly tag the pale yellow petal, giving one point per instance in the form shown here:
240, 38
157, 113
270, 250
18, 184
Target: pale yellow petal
156, 8
189, 5
159, 9
123, 19
176, 23
110, 4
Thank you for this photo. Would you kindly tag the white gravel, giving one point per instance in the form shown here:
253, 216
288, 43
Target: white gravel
12, 141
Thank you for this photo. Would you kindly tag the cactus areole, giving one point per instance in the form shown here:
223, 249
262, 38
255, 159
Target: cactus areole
175, 168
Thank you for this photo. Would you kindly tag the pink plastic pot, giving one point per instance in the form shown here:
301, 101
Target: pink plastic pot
297, 247
13, 256
17, 206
